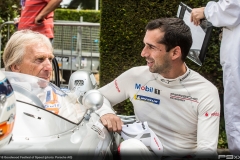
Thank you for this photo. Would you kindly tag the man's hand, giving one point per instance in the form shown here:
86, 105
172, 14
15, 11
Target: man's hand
39, 20
50, 7
112, 122
196, 15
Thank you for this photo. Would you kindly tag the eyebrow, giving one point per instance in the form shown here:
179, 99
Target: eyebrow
151, 45
45, 56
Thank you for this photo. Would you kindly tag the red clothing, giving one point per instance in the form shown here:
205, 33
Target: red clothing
31, 10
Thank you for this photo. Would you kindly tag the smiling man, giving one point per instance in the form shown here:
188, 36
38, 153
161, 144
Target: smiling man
30, 53
180, 106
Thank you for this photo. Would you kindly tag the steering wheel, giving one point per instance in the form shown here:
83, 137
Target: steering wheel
28, 94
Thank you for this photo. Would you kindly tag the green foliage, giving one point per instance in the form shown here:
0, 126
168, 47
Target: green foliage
124, 108
8, 11
74, 15
222, 139
122, 32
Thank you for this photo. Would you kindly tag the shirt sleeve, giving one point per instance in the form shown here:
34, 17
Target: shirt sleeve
115, 92
208, 124
224, 13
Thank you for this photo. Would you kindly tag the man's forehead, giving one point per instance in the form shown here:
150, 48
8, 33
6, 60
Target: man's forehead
37, 45
44, 55
39, 48
153, 36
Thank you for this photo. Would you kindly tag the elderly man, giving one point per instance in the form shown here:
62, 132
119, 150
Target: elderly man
31, 53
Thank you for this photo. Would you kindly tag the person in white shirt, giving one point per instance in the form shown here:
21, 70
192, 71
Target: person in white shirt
180, 106
226, 14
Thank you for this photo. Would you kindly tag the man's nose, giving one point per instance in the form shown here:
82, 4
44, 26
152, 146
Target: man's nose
47, 64
144, 52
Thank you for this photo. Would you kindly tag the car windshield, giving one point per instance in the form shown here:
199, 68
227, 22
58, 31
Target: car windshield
43, 94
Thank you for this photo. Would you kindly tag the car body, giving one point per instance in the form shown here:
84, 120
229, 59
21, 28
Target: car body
40, 131
7, 110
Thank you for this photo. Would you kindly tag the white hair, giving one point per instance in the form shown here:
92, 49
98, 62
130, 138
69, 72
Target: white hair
16, 46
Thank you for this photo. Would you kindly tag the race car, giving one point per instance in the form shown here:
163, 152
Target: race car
53, 122
7, 110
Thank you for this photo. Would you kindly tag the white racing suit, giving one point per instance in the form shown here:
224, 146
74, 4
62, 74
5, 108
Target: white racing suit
184, 112
63, 105
54, 100
226, 14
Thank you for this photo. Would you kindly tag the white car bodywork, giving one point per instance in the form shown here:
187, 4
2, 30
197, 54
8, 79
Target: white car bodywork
7, 110
38, 131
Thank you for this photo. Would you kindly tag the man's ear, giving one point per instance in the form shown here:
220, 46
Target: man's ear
15, 68
176, 53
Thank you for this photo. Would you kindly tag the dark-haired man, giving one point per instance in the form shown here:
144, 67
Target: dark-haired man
180, 106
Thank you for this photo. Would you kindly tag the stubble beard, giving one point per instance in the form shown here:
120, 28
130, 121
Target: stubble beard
161, 68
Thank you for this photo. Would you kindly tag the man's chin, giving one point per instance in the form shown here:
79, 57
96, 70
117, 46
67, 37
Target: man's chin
45, 78
151, 69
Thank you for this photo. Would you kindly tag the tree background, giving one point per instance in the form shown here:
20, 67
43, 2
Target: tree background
9, 9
